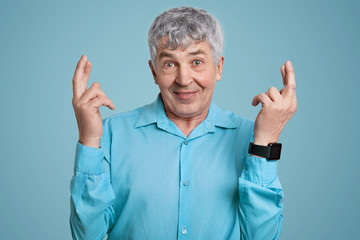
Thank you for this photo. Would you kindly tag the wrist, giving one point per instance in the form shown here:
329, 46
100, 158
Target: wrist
264, 141
261, 142
95, 142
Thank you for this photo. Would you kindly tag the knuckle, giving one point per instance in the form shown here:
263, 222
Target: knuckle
101, 93
83, 107
105, 100
277, 107
102, 99
272, 89
77, 106
96, 101
271, 106
290, 108
96, 85
99, 101
98, 98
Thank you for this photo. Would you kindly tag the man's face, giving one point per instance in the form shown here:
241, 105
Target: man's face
186, 78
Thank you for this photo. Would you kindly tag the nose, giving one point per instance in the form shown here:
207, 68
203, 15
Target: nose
184, 76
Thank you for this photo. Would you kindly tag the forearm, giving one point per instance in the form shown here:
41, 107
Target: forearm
92, 196
261, 199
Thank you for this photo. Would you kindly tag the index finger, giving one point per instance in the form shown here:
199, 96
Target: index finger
289, 79
78, 86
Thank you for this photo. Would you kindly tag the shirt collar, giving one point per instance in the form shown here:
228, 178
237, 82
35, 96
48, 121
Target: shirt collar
155, 113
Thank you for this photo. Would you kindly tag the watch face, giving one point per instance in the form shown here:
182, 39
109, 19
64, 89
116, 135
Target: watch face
275, 151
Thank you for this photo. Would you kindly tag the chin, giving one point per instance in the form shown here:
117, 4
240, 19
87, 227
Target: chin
183, 108
187, 111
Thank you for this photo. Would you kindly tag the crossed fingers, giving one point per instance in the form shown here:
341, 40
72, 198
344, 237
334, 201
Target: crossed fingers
81, 77
286, 96
93, 97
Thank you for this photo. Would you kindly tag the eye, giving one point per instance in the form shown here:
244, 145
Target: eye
169, 64
197, 62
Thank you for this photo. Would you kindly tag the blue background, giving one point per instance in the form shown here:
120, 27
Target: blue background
41, 42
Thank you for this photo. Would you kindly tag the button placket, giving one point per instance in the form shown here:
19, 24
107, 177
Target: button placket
184, 191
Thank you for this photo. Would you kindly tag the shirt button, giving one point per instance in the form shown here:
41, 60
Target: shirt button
184, 231
186, 183
186, 142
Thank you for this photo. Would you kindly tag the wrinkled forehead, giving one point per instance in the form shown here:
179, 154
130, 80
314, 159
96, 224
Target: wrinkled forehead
167, 42
194, 48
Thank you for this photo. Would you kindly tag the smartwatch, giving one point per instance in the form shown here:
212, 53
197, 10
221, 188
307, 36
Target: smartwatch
270, 152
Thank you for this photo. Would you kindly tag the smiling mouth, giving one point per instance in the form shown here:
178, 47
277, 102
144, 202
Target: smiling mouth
185, 95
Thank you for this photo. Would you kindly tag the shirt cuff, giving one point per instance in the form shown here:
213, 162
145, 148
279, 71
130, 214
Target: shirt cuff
89, 159
259, 170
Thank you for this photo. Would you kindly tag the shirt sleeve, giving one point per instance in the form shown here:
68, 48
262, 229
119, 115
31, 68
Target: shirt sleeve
92, 196
261, 199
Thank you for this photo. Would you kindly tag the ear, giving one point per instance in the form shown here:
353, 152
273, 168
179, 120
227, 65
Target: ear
153, 71
219, 68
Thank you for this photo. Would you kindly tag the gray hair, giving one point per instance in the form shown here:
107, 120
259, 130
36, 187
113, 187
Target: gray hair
182, 26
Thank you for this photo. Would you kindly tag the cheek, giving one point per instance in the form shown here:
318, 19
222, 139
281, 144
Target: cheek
164, 82
206, 81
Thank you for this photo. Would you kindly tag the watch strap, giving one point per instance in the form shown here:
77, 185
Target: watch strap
270, 152
262, 151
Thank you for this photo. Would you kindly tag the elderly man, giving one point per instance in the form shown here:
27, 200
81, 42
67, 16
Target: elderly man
181, 167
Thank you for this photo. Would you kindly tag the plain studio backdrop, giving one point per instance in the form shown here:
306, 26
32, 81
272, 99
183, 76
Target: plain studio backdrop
41, 42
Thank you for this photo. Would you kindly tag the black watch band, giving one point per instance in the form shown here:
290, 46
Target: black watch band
270, 152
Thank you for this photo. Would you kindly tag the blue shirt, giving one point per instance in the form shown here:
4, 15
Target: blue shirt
149, 181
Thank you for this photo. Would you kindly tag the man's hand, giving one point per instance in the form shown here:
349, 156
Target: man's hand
277, 108
86, 103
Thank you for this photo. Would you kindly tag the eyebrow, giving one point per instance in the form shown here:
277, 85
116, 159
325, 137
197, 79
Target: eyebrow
165, 54
197, 52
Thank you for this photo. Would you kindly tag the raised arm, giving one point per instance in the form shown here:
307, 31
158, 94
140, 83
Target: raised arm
92, 196
86, 103
277, 108
260, 192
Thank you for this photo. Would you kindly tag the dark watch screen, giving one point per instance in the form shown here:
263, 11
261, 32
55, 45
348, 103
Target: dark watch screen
275, 151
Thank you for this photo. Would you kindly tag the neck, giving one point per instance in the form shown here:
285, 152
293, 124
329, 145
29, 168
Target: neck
187, 124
